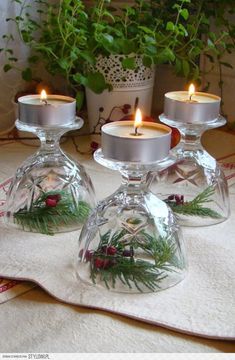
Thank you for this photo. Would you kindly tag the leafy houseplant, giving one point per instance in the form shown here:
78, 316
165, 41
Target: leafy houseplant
68, 37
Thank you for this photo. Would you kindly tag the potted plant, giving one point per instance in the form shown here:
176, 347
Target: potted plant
110, 50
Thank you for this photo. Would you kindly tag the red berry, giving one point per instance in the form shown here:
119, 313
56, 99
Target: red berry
177, 199
171, 197
128, 253
175, 137
51, 202
94, 145
88, 255
101, 263
104, 249
56, 197
111, 250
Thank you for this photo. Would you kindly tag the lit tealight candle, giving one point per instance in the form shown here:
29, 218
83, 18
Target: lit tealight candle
47, 110
191, 107
138, 122
191, 91
43, 97
120, 142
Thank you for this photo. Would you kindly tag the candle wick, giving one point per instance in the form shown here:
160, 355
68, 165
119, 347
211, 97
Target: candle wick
44, 101
190, 97
136, 131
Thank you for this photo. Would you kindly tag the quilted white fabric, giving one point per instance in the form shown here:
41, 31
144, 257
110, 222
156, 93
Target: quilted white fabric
203, 304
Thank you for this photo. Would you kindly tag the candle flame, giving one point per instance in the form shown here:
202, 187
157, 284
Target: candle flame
191, 91
138, 119
43, 95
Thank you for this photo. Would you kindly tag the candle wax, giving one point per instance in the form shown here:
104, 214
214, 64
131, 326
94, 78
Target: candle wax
197, 97
128, 131
48, 100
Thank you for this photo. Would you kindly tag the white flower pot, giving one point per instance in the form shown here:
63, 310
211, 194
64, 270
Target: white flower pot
128, 85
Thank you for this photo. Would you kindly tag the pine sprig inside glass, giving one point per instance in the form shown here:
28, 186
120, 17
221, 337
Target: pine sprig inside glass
121, 258
50, 211
194, 207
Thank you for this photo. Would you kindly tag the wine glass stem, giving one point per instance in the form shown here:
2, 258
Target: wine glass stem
49, 140
133, 181
190, 141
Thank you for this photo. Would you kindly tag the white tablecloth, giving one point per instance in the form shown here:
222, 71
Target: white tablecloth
35, 322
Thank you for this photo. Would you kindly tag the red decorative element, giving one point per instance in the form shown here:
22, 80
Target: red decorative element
88, 255
94, 146
56, 197
52, 200
179, 199
8, 285
175, 136
111, 250
101, 263
128, 253
126, 108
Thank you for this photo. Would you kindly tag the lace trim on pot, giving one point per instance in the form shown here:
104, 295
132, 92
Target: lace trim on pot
112, 70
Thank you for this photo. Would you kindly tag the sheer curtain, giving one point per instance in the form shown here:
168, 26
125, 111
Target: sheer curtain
11, 81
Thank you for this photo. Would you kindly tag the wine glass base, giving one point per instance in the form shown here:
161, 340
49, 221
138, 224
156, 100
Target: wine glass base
50, 193
131, 241
195, 186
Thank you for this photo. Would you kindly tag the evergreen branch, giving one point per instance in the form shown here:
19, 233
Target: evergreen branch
195, 207
112, 260
46, 220
129, 272
189, 209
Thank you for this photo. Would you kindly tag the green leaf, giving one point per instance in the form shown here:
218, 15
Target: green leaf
147, 61
79, 79
13, 59
63, 63
26, 36
125, 46
182, 30
88, 56
94, 81
79, 99
210, 43
186, 68
7, 67
146, 30
178, 66
129, 63
27, 74
184, 13
33, 59
170, 26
